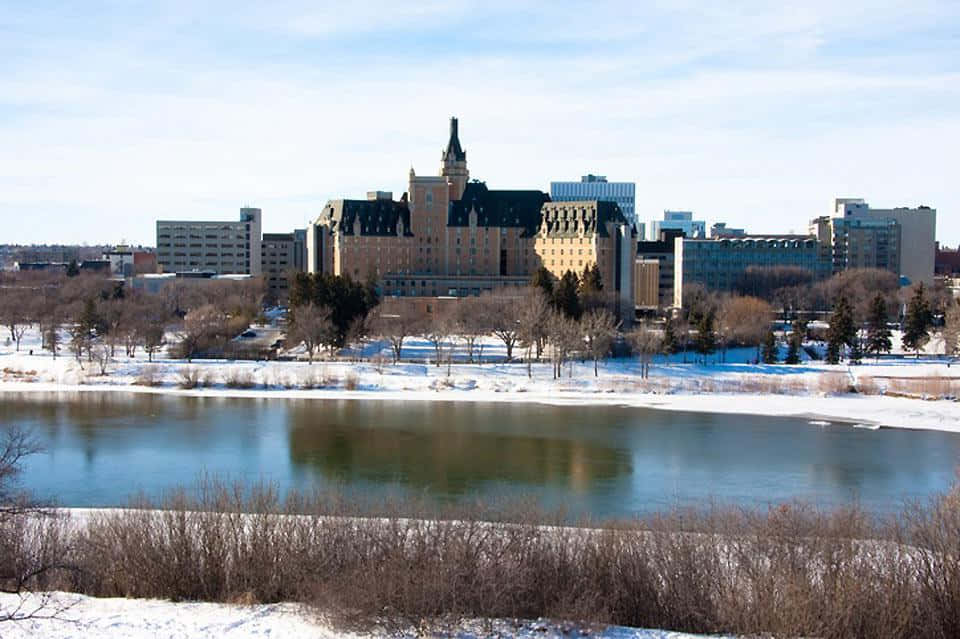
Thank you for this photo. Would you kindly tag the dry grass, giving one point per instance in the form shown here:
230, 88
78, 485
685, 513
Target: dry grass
189, 377
351, 381
867, 385
238, 377
790, 570
833, 383
931, 387
149, 375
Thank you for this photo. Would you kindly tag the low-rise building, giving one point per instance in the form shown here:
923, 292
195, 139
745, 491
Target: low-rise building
127, 261
718, 264
720, 229
221, 247
282, 254
680, 221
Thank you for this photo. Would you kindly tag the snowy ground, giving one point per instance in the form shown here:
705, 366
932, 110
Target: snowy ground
81, 617
728, 382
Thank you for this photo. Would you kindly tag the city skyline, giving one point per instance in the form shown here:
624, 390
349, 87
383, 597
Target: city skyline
116, 117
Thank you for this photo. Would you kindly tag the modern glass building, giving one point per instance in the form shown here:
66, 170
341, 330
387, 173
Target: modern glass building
596, 187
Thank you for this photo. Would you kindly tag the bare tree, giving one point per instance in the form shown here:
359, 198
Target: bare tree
395, 322
599, 327
201, 329
565, 338
470, 323
534, 316
15, 313
312, 326
30, 534
501, 312
358, 334
744, 321
440, 329
646, 343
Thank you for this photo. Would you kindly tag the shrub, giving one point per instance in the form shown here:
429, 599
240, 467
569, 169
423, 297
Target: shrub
189, 377
238, 377
149, 376
788, 570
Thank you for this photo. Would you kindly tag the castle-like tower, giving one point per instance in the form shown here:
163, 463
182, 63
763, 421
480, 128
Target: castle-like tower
453, 164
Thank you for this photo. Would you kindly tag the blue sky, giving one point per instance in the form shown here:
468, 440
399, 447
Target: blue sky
115, 114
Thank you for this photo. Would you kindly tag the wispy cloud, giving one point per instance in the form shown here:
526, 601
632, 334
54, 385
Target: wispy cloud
113, 115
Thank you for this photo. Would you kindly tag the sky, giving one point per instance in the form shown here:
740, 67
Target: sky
116, 114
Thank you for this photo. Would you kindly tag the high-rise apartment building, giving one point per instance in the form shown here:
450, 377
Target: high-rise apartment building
219, 247
596, 187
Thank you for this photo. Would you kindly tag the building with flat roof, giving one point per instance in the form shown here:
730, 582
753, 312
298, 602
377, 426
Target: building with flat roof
677, 220
718, 264
656, 258
720, 229
283, 254
220, 247
855, 242
918, 231
596, 187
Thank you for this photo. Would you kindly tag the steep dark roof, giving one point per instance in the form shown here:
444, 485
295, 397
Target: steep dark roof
558, 224
454, 149
511, 209
376, 217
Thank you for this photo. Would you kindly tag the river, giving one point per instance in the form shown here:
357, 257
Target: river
603, 461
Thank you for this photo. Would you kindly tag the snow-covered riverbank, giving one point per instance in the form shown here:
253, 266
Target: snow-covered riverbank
736, 385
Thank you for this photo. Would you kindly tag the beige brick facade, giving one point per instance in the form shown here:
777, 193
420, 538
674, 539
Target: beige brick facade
445, 230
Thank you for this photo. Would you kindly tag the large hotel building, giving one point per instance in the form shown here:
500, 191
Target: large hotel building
449, 236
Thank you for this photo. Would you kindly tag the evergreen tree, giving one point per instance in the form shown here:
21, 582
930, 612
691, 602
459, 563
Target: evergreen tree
73, 269
856, 351
91, 321
769, 349
706, 341
544, 280
916, 324
878, 335
793, 350
833, 351
566, 296
843, 330
591, 281
670, 342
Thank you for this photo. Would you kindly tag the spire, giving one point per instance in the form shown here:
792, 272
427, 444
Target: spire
454, 151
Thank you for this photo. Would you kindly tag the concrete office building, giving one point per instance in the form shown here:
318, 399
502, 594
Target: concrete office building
282, 253
655, 271
719, 263
220, 247
918, 230
677, 220
860, 243
596, 187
